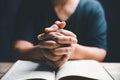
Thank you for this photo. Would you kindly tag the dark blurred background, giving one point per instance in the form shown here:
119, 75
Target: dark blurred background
9, 10
112, 11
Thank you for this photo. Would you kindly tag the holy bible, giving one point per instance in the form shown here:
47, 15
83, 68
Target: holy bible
71, 70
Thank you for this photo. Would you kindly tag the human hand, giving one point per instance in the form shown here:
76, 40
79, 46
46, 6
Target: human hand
56, 54
57, 43
56, 26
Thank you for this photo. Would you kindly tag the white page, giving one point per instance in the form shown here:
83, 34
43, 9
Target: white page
23, 70
84, 68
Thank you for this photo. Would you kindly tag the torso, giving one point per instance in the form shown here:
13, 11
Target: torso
80, 20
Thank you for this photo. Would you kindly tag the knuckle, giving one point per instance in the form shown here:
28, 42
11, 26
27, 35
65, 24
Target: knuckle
55, 45
67, 49
73, 40
40, 36
55, 58
52, 34
51, 44
70, 39
57, 52
59, 34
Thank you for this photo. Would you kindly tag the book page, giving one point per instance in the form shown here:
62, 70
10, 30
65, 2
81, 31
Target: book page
85, 69
28, 70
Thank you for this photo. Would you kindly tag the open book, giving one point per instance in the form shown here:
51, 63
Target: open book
71, 70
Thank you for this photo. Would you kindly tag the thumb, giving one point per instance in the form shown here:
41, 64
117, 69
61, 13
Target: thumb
60, 24
56, 26
52, 28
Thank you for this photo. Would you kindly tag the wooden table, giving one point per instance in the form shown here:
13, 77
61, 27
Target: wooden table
4, 67
112, 68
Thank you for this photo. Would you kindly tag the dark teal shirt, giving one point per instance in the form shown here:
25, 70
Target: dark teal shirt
87, 22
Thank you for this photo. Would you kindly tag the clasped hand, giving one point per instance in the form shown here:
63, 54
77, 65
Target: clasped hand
56, 44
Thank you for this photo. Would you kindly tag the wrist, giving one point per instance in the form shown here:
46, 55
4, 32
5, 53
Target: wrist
77, 53
73, 52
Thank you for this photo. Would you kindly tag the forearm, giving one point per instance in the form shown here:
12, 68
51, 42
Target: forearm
26, 50
85, 53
